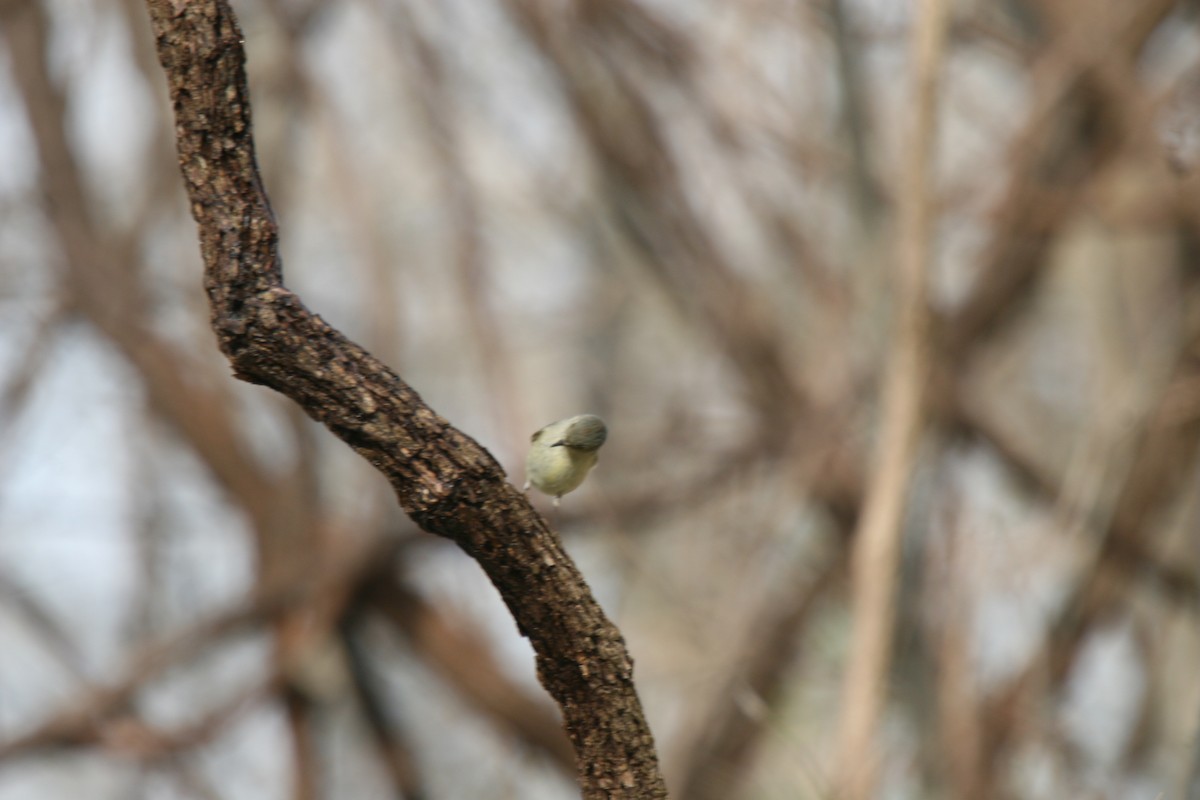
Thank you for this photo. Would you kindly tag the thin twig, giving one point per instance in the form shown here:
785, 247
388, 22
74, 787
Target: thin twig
877, 543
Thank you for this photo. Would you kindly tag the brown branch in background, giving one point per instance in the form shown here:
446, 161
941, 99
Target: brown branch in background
1125, 556
132, 738
393, 747
1192, 785
81, 722
300, 719
303, 91
999, 306
14, 394
957, 749
876, 546
444, 480
645, 188
718, 758
729, 735
461, 658
102, 283
1071, 134
1152, 479
867, 195
192, 781
1122, 553
431, 82
1108, 45
1047, 187
40, 621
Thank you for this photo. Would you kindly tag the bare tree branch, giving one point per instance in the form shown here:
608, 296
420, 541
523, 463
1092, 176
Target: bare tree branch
443, 479
877, 542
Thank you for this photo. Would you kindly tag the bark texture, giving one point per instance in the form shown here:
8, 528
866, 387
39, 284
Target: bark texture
444, 480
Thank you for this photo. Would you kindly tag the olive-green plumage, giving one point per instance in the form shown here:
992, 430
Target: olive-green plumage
562, 453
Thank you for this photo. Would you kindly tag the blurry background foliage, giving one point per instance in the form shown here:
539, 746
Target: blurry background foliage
677, 214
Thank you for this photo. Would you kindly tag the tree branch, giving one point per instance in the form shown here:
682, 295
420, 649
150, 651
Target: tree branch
876, 551
443, 479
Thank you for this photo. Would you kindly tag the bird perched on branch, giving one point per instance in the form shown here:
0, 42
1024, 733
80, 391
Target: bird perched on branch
562, 453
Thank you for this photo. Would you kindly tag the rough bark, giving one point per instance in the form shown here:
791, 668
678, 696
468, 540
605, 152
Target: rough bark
443, 479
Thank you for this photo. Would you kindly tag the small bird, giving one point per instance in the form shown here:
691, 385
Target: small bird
562, 453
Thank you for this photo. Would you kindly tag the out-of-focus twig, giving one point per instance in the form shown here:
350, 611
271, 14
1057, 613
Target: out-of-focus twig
103, 279
394, 749
80, 722
132, 738
300, 719
957, 747
854, 117
726, 739
39, 620
1072, 132
1192, 789
104, 286
646, 187
1153, 474
431, 81
876, 545
21, 380
465, 662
